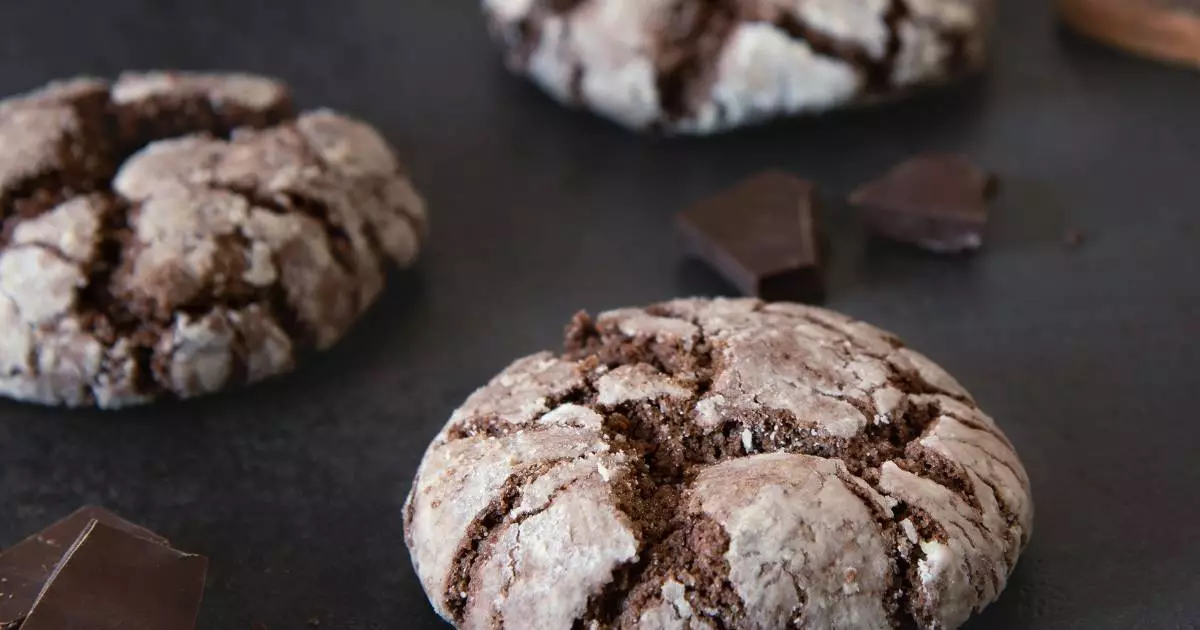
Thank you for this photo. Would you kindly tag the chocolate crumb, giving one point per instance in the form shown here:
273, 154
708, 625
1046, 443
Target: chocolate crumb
1074, 238
763, 236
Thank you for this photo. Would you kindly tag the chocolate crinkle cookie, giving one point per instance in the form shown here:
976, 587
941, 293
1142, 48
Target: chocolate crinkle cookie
169, 235
718, 464
701, 66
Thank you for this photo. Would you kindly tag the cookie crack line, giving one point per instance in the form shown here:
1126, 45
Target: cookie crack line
101, 309
898, 434
881, 76
285, 204
528, 30
876, 72
630, 421
490, 523
163, 279
38, 195
516, 521
628, 427
688, 50
905, 562
415, 222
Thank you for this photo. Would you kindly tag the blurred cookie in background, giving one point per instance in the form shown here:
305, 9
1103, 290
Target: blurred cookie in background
696, 67
1166, 30
171, 235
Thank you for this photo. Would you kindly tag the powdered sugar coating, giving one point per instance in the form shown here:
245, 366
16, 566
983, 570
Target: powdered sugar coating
243, 90
719, 463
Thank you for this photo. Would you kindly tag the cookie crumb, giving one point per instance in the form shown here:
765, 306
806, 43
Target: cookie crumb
851, 585
604, 473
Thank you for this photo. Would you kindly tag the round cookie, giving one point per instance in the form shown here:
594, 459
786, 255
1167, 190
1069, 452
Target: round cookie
170, 235
718, 464
702, 66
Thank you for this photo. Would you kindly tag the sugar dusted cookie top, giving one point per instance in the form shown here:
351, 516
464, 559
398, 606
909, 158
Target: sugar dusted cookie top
724, 463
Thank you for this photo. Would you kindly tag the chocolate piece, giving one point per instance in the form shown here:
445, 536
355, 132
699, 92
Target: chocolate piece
763, 235
937, 202
111, 579
25, 567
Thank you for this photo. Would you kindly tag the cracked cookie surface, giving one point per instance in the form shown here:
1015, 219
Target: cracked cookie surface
702, 66
170, 235
718, 464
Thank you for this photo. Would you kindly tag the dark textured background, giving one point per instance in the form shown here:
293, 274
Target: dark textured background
1089, 358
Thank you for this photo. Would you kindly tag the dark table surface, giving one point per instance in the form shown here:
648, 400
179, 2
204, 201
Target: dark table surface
1089, 357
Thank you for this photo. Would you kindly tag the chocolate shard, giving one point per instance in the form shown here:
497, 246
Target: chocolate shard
26, 566
111, 579
1074, 238
938, 202
762, 235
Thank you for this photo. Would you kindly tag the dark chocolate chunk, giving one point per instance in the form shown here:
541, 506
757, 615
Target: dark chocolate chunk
763, 236
25, 567
111, 579
937, 202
